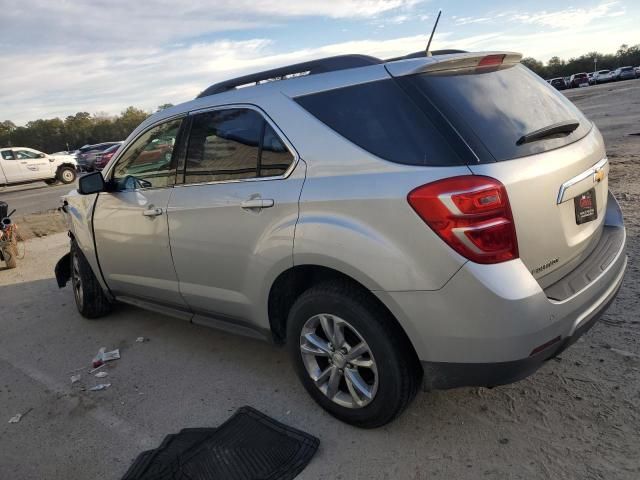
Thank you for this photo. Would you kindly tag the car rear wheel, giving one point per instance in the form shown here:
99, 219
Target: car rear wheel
350, 355
90, 298
67, 175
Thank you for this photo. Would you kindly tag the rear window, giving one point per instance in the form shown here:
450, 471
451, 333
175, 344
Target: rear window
380, 118
626, 69
493, 110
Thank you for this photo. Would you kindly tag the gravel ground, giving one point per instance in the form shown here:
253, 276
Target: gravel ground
578, 417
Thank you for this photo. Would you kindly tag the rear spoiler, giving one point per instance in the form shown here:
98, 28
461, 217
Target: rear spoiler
454, 63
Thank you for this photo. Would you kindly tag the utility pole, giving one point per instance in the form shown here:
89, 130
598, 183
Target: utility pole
595, 64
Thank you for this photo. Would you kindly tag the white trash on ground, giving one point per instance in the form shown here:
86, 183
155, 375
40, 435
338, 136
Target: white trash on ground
101, 386
101, 374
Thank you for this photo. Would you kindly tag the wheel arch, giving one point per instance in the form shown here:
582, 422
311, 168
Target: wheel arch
294, 281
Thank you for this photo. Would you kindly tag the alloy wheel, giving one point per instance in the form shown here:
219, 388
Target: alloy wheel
76, 281
339, 361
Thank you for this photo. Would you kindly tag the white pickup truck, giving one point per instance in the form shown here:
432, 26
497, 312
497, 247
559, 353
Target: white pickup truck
22, 165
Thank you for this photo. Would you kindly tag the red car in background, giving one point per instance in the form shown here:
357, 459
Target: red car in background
103, 158
579, 80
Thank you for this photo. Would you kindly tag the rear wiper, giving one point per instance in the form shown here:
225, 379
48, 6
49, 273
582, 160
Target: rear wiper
567, 127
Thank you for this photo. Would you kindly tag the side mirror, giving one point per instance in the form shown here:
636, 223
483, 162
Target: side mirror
91, 183
41, 155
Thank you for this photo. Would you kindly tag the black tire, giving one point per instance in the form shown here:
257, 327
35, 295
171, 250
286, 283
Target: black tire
91, 300
10, 255
51, 181
66, 175
398, 369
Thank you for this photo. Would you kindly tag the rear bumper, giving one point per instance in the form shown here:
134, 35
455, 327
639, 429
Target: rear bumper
494, 324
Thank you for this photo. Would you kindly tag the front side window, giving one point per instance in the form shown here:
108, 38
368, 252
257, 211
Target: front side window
8, 155
149, 162
234, 144
25, 154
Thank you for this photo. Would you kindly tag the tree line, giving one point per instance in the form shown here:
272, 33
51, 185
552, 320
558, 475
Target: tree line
556, 67
55, 134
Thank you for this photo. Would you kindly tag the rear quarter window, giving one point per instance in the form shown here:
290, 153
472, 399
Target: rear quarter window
380, 118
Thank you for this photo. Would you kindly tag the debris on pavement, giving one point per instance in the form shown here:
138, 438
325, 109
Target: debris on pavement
18, 416
141, 340
103, 356
75, 378
101, 374
97, 368
101, 386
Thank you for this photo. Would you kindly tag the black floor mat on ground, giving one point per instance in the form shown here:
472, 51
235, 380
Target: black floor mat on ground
248, 446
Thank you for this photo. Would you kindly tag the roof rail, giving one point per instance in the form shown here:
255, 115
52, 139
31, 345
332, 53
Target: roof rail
331, 64
422, 54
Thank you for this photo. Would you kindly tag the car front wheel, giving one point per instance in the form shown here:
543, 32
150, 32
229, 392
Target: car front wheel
87, 291
350, 355
67, 175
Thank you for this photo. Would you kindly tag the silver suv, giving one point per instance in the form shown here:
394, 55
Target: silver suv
431, 221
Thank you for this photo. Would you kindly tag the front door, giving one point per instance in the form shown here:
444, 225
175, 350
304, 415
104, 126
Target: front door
34, 165
130, 222
231, 223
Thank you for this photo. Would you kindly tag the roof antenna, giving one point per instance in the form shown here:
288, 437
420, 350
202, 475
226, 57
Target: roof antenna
432, 32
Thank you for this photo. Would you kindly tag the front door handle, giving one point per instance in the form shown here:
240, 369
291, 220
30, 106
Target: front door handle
152, 212
258, 203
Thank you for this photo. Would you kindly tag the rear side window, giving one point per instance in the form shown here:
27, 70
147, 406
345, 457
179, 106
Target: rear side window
493, 110
234, 144
8, 155
380, 118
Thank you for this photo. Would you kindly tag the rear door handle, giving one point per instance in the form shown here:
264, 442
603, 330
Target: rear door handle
258, 203
152, 212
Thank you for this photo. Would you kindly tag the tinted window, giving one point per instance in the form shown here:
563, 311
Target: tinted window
226, 145
493, 110
275, 159
8, 155
380, 118
149, 161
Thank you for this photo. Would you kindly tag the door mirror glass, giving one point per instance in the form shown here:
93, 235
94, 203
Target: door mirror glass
41, 155
91, 183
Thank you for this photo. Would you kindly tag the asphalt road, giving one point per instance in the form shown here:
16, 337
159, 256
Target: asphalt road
34, 197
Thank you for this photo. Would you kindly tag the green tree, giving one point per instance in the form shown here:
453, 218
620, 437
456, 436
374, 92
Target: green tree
164, 106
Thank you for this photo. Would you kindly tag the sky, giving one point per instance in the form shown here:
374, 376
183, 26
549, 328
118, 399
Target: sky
100, 56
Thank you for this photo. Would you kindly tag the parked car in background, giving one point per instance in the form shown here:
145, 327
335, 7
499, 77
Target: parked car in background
72, 153
601, 76
373, 216
624, 73
567, 82
87, 157
23, 165
558, 83
579, 80
103, 158
590, 75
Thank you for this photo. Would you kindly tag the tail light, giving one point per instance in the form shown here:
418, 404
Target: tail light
471, 214
491, 61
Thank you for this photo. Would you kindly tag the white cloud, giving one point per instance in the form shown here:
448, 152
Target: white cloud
569, 17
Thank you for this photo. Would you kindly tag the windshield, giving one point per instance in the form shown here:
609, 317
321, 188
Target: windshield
493, 110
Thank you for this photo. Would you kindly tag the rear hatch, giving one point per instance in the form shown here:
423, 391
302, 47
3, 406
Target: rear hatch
528, 136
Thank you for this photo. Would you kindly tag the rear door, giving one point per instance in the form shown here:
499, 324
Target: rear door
130, 223
556, 178
231, 222
12, 168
